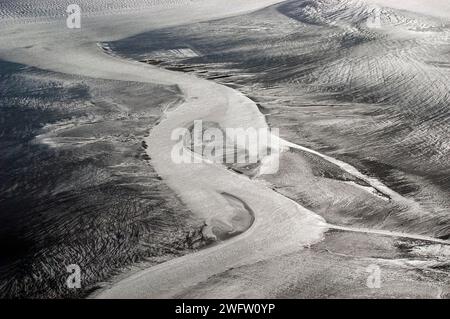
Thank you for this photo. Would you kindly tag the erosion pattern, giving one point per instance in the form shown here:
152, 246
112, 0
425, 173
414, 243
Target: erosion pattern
287, 245
374, 97
78, 187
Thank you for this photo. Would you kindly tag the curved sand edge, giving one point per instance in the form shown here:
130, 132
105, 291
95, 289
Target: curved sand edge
281, 226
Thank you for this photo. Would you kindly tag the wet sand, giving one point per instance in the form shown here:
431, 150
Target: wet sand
287, 248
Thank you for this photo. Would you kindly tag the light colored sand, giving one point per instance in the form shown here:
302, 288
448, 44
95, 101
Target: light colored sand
281, 226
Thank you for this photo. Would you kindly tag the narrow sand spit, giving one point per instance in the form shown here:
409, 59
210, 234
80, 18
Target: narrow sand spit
280, 226
437, 8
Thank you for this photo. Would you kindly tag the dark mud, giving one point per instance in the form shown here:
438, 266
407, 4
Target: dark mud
76, 185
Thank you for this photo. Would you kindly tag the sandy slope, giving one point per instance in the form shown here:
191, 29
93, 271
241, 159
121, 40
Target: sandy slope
184, 275
281, 226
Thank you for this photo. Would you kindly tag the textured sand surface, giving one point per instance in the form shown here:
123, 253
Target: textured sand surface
274, 252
